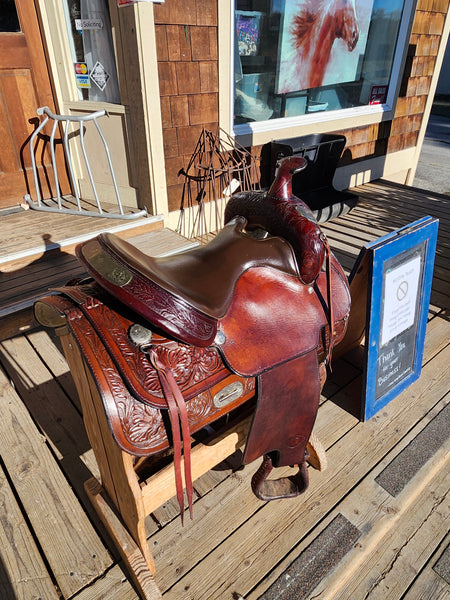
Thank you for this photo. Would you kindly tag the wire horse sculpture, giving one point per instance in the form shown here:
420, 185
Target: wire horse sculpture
217, 168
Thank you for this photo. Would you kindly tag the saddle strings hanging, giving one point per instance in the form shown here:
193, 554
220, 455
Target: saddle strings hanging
178, 416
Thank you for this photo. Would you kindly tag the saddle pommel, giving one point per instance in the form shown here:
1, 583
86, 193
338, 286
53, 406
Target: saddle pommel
282, 214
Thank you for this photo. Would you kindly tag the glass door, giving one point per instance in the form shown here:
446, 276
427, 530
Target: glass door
92, 49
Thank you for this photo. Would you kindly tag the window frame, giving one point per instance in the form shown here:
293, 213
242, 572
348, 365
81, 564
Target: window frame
260, 132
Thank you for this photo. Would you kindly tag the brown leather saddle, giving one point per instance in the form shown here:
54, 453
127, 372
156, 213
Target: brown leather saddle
261, 305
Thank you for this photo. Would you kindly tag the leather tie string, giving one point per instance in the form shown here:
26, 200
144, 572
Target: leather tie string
178, 415
330, 302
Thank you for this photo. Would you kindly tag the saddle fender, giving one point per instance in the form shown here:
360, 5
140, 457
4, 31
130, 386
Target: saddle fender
289, 362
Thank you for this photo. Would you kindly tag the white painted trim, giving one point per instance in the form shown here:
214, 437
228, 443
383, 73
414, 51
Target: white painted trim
58, 51
225, 45
148, 63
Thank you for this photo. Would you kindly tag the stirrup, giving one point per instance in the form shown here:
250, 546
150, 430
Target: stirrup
285, 487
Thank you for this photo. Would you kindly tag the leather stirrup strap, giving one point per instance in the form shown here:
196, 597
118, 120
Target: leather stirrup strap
178, 415
284, 487
290, 487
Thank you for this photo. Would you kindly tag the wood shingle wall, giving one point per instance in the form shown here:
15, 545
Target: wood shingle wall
186, 33
402, 132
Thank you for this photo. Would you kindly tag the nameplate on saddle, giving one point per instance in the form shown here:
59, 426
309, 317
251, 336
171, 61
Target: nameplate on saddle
105, 265
228, 394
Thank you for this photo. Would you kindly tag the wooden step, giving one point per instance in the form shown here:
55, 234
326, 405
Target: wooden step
29, 235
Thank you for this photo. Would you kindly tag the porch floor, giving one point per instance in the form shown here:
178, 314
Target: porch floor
374, 525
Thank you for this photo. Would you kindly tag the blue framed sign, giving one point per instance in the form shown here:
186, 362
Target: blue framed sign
398, 296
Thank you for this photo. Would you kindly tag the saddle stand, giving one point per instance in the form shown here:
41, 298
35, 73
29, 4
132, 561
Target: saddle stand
160, 348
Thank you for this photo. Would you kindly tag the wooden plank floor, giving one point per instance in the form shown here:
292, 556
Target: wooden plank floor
374, 525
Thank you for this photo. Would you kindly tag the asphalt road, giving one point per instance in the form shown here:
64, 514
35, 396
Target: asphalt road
433, 169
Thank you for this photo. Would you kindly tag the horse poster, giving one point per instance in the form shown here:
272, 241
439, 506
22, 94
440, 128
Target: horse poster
322, 42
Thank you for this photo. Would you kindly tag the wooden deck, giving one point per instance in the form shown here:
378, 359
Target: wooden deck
374, 525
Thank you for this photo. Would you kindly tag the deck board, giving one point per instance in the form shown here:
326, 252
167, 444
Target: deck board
377, 515
428, 585
396, 206
40, 231
20, 287
236, 545
261, 541
72, 548
408, 548
23, 574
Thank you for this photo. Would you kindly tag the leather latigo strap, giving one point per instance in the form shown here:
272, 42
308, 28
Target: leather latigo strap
178, 416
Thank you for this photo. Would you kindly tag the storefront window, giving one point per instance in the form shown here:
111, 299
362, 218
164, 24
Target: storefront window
295, 57
92, 49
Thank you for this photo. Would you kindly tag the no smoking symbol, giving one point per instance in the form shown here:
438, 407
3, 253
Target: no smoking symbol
402, 291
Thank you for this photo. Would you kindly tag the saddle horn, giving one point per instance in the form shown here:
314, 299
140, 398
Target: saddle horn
282, 214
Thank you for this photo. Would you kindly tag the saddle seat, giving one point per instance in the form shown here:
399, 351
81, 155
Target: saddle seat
187, 293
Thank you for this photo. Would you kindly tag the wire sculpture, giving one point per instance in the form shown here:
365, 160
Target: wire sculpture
218, 167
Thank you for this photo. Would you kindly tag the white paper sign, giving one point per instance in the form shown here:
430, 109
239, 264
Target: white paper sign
400, 299
81, 24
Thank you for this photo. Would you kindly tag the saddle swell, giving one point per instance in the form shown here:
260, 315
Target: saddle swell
283, 214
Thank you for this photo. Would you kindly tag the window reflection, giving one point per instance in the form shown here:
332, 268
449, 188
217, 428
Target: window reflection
294, 57
92, 49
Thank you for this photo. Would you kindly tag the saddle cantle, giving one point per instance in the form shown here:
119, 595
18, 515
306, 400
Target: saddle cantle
266, 309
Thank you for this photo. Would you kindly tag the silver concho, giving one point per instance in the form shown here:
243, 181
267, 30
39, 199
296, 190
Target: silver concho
140, 335
220, 338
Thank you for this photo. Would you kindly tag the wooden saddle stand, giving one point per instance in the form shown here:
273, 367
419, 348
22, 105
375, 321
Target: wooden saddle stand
160, 348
